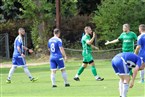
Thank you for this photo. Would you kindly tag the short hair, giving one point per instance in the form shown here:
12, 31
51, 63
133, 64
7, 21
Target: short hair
86, 28
127, 25
21, 30
56, 31
142, 26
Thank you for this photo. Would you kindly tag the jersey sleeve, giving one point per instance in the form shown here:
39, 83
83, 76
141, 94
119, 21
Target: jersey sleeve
120, 38
139, 62
134, 36
60, 43
139, 40
19, 43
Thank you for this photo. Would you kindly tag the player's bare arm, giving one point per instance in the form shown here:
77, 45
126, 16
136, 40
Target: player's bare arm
136, 69
137, 49
27, 49
19, 50
94, 47
110, 42
89, 42
63, 52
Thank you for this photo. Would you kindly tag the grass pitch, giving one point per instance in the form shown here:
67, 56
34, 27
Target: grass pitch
86, 87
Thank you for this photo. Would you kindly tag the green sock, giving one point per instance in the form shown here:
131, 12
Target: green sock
93, 69
130, 72
81, 69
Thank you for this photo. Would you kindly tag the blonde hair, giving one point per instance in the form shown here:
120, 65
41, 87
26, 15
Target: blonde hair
126, 25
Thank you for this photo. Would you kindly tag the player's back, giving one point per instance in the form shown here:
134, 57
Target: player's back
142, 43
53, 44
18, 42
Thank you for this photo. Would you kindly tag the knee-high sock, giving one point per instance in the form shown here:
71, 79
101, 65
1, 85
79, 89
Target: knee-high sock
125, 90
81, 69
120, 87
52, 77
64, 76
93, 69
142, 74
26, 70
13, 68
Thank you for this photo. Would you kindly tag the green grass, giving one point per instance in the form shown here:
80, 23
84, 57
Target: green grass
87, 87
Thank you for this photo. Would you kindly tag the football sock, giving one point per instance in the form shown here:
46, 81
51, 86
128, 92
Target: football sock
93, 69
125, 90
120, 87
130, 72
64, 76
142, 74
53, 78
81, 69
13, 68
27, 72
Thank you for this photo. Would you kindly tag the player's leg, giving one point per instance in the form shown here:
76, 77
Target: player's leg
93, 68
125, 76
126, 80
80, 70
13, 68
61, 66
142, 76
53, 67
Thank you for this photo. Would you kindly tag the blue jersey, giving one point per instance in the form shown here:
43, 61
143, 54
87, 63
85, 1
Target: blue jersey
53, 44
141, 42
18, 43
128, 56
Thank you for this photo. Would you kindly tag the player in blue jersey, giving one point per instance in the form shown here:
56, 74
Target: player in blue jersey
121, 64
140, 49
18, 58
56, 57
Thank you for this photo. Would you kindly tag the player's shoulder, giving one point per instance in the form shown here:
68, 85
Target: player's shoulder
131, 32
56, 39
18, 38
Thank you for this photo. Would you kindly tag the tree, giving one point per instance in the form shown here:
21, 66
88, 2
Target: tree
112, 14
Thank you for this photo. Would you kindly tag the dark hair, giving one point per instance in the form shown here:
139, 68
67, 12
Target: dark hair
142, 26
56, 31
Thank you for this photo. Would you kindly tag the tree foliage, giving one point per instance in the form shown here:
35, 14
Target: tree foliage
112, 14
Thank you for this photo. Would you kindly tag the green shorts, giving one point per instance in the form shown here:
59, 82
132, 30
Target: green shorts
87, 57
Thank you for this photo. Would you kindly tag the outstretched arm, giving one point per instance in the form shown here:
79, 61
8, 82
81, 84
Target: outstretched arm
113, 41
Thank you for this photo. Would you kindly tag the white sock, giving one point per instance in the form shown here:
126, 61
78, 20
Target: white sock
125, 90
13, 68
142, 74
27, 72
76, 75
52, 77
64, 76
96, 77
120, 87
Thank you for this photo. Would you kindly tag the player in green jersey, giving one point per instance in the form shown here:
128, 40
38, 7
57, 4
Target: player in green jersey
87, 54
127, 38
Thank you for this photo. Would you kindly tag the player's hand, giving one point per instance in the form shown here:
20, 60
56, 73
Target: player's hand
23, 55
65, 57
107, 42
30, 51
131, 84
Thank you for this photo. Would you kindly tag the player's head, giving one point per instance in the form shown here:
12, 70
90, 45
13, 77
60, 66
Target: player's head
142, 28
126, 28
21, 31
88, 30
56, 32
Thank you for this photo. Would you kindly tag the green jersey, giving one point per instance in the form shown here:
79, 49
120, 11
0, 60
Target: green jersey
86, 48
128, 41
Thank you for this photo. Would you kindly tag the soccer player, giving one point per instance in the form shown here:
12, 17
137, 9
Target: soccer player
56, 57
127, 38
140, 49
18, 58
86, 53
121, 64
